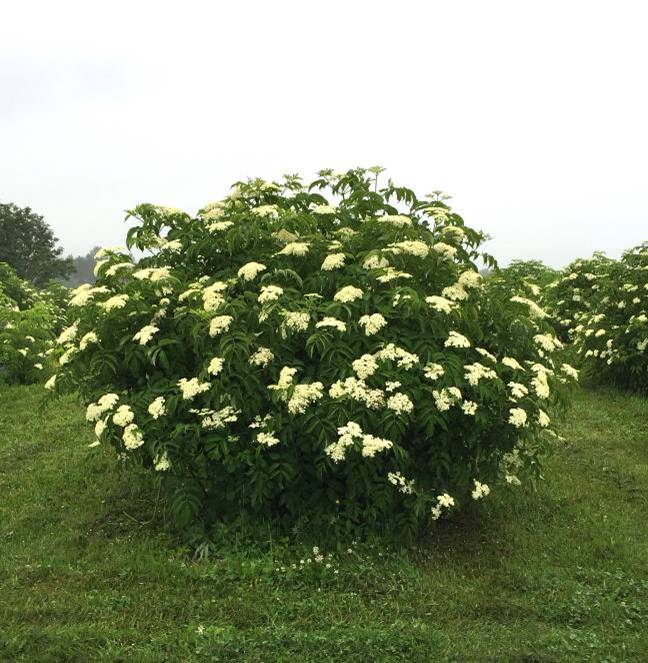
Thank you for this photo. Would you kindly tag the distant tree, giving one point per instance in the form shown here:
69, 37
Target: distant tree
28, 244
83, 269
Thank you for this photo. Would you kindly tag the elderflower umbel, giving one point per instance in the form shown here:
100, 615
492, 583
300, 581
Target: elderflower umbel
324, 209
162, 462
348, 294
145, 334
88, 338
512, 363
117, 301
518, 417
262, 357
365, 366
123, 416
398, 480
251, 270
433, 371
400, 403
518, 390
68, 334
456, 340
270, 293
395, 219
469, 408
215, 366
446, 398
440, 304
333, 261
156, 408
191, 388
480, 490
445, 250
402, 358
267, 439
296, 321
332, 322
303, 395
294, 249
372, 323
219, 324
133, 437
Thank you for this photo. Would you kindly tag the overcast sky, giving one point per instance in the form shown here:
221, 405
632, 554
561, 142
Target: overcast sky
532, 115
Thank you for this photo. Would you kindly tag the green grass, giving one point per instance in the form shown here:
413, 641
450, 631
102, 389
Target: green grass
557, 575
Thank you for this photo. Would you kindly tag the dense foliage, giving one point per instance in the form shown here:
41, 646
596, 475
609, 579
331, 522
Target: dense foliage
28, 244
577, 291
335, 358
30, 319
611, 335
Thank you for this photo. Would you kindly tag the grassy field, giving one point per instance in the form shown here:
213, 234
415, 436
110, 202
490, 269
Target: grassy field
89, 572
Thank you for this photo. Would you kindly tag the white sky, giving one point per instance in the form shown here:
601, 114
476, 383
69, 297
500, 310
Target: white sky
532, 115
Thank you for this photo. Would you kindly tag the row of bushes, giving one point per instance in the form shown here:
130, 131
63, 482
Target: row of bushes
599, 308
30, 320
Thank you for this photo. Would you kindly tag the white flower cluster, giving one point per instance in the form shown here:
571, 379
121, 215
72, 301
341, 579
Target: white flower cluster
219, 324
444, 501
303, 395
357, 390
333, 261
397, 479
372, 323
480, 490
106, 403
456, 340
400, 403
251, 270
348, 294
270, 293
262, 357
413, 248
441, 304
371, 445
294, 249
212, 297
329, 321
157, 407
191, 388
518, 417
476, 372
445, 398
217, 419
403, 359
145, 334
296, 321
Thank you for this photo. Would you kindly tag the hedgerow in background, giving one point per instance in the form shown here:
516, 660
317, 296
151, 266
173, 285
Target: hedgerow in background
529, 273
612, 338
577, 291
329, 358
30, 320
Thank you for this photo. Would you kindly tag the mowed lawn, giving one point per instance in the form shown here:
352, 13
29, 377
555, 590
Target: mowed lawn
90, 571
